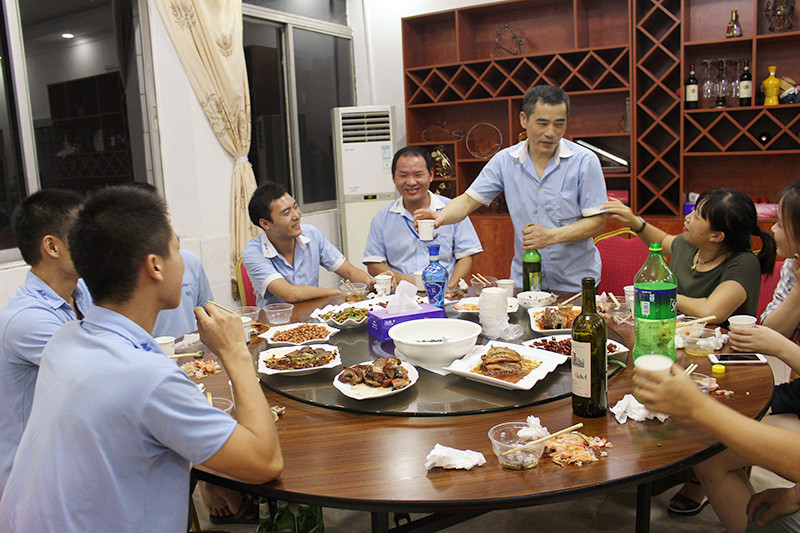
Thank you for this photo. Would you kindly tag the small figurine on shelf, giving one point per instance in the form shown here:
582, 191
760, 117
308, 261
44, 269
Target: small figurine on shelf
734, 28
779, 14
442, 166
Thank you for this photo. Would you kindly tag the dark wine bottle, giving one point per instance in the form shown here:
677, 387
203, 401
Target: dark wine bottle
589, 382
746, 86
691, 90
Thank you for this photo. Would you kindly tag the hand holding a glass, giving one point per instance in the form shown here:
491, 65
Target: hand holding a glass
673, 393
761, 339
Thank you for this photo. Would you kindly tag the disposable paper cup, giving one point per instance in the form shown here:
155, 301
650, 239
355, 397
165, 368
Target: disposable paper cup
247, 324
418, 280
383, 284
425, 228
223, 404
741, 321
167, 344
653, 363
508, 285
629, 292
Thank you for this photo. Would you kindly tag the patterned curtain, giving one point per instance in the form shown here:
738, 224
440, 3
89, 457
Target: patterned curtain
207, 34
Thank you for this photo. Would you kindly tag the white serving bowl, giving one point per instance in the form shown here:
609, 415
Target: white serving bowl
435, 342
530, 299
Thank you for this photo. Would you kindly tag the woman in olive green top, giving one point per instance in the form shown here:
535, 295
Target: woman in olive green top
717, 272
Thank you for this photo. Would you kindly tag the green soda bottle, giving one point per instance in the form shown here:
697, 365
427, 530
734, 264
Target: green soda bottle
264, 516
309, 519
655, 306
532, 270
284, 521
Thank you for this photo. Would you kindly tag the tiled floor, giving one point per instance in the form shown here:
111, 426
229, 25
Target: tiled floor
610, 513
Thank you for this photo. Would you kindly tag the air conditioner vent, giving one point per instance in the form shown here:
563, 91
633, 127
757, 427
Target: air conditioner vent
366, 127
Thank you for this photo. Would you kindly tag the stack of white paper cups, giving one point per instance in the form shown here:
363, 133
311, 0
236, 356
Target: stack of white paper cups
493, 311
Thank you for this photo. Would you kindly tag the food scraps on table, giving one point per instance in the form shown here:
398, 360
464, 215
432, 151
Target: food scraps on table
504, 363
302, 333
356, 313
385, 372
201, 369
556, 317
564, 346
466, 307
454, 293
277, 410
576, 449
257, 328
305, 357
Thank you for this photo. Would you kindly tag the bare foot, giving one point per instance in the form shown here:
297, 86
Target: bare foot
219, 501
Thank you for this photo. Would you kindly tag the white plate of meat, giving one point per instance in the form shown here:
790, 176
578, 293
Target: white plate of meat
298, 360
376, 379
505, 365
553, 319
297, 334
562, 345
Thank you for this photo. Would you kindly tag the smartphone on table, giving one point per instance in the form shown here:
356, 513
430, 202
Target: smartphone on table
737, 358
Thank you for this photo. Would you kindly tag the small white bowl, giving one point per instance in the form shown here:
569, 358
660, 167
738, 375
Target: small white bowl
529, 299
435, 342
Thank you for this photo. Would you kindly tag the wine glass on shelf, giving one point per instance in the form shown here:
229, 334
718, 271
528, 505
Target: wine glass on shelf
708, 81
721, 89
733, 69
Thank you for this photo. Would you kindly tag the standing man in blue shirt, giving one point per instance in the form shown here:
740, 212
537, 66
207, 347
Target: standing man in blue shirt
115, 424
554, 189
51, 296
283, 262
394, 244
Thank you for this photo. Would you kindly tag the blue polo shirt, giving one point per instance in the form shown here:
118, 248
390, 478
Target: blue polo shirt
572, 187
264, 264
27, 322
196, 293
113, 429
393, 240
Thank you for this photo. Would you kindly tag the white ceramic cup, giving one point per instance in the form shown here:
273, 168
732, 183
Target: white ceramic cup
247, 324
167, 344
741, 321
425, 228
383, 284
508, 285
629, 292
418, 280
653, 363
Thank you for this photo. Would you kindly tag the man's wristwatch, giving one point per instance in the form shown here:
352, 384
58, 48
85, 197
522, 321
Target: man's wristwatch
641, 229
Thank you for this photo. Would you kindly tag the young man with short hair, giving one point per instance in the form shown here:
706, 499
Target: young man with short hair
51, 296
115, 424
283, 262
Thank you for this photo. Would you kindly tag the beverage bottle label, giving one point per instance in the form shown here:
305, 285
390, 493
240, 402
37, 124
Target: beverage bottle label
745, 89
535, 281
581, 369
655, 301
691, 93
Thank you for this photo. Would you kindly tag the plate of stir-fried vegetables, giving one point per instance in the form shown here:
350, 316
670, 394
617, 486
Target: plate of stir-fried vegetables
342, 316
298, 360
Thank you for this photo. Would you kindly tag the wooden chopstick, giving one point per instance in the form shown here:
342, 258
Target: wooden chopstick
569, 300
208, 395
482, 280
690, 369
349, 285
695, 321
222, 307
614, 299
543, 439
188, 354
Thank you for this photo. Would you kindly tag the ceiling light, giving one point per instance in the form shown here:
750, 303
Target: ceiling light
67, 35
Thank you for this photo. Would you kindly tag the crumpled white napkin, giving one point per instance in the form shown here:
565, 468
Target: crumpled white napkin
715, 342
447, 457
535, 429
404, 299
187, 341
630, 407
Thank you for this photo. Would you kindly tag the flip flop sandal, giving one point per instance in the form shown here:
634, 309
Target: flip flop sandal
684, 506
247, 513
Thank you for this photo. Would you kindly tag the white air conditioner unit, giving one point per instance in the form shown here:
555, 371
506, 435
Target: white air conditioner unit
363, 150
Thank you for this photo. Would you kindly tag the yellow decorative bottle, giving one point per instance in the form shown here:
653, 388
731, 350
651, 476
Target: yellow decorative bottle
772, 86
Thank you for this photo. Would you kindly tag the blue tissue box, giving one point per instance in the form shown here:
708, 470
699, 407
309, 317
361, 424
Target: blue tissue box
379, 322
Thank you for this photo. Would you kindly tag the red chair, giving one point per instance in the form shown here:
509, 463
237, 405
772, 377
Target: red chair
768, 285
622, 257
246, 292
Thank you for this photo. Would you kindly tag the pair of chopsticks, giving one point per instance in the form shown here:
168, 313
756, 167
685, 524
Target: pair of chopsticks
188, 354
481, 279
690, 369
695, 321
349, 285
543, 439
569, 300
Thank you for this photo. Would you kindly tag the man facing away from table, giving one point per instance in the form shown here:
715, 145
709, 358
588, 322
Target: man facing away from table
51, 296
554, 190
394, 244
115, 424
283, 262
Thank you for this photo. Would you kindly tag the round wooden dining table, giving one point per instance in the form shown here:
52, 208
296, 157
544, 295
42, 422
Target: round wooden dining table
345, 455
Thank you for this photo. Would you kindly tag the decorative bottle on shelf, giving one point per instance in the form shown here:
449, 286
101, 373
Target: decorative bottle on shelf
772, 86
264, 516
589, 335
284, 521
746, 86
435, 277
734, 28
532, 270
655, 306
691, 90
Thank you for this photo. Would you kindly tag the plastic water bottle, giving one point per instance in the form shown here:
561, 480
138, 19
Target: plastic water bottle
435, 278
532, 270
655, 306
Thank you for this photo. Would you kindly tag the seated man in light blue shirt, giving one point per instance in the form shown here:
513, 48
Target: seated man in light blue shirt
554, 190
283, 262
393, 242
115, 424
51, 296
196, 292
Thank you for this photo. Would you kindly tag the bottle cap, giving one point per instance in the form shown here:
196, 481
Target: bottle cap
433, 249
718, 369
655, 246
